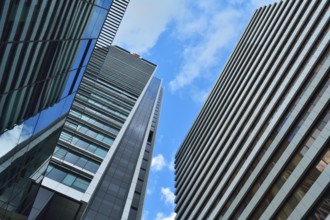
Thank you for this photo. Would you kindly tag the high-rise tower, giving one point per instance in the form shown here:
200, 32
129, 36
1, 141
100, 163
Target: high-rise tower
100, 165
259, 147
44, 50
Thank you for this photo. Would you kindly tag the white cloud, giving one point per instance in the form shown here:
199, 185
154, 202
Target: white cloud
171, 165
217, 30
158, 162
167, 195
10, 138
161, 216
200, 95
143, 23
205, 29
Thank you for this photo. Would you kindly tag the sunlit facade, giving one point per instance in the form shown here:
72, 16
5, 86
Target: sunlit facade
259, 148
100, 166
44, 50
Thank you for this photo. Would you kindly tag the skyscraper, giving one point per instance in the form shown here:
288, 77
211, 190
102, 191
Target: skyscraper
100, 165
259, 147
44, 50
45, 46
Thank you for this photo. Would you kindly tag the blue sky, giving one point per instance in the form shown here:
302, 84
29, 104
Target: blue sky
190, 41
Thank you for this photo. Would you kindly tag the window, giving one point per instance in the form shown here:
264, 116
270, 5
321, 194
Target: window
67, 137
67, 178
75, 159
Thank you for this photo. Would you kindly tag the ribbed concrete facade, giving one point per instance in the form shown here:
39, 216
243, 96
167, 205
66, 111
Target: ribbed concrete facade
259, 147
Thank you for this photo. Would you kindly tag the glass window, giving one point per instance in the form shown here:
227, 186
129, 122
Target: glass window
69, 179
82, 129
81, 162
91, 148
303, 187
322, 208
80, 184
100, 152
99, 137
71, 158
82, 144
91, 166
59, 153
77, 160
108, 140
326, 157
90, 133
49, 168
56, 174
85, 130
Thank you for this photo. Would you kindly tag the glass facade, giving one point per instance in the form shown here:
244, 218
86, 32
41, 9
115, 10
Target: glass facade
115, 183
45, 47
21, 169
67, 178
44, 51
136, 208
78, 142
103, 137
76, 159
